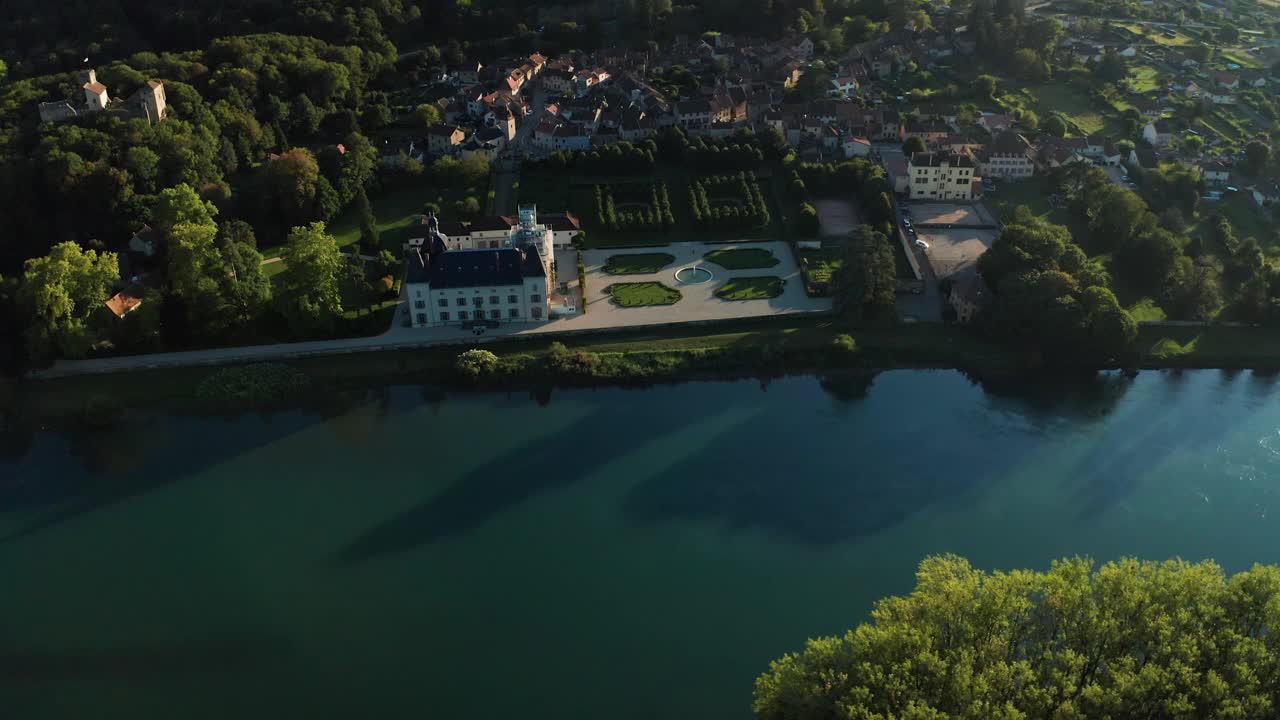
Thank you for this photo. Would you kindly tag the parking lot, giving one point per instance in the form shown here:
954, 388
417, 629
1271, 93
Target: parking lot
955, 215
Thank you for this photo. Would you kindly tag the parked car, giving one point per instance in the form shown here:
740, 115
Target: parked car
922, 244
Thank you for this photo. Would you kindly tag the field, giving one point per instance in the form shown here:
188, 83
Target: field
1047, 98
1156, 35
1144, 78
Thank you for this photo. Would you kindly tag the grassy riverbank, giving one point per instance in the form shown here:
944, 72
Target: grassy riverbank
743, 348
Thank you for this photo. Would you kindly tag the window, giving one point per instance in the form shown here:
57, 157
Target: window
495, 314
422, 318
537, 312
444, 317
420, 304
418, 293
513, 299
513, 313
462, 302
493, 299
477, 301
535, 298
462, 314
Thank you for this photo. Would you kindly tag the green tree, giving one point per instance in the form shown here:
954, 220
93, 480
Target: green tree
59, 293
1128, 639
181, 204
1054, 125
476, 363
867, 279
986, 86
368, 225
427, 115
309, 295
194, 265
1256, 156
912, 145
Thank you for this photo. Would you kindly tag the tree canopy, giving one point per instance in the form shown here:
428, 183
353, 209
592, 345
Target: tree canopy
1128, 639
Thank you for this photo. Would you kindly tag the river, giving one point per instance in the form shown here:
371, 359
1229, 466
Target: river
606, 553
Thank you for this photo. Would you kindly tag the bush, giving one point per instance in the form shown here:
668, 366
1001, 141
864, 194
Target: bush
476, 363
844, 343
253, 384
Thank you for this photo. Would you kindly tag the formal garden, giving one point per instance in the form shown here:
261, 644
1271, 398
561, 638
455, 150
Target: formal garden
637, 264
751, 288
643, 294
742, 258
638, 206
727, 202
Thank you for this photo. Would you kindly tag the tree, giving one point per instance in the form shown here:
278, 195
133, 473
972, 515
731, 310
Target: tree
289, 187
194, 266
1078, 641
986, 86
474, 170
476, 363
181, 204
867, 279
368, 225
309, 294
1256, 156
1111, 68
912, 145
1054, 125
59, 293
427, 115
808, 224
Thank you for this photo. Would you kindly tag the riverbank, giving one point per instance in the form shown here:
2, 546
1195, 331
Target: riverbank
745, 348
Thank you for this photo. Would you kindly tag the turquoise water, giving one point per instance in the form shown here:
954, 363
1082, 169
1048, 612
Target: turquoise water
598, 553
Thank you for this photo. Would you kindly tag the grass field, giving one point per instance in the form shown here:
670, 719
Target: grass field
742, 258
641, 264
1156, 35
1239, 209
752, 288
1144, 78
1048, 98
643, 294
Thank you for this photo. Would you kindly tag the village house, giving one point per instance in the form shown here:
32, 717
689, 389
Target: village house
1158, 132
1007, 156
1216, 174
444, 139
941, 176
557, 82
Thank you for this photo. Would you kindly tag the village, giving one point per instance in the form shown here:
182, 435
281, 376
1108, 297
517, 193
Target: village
548, 121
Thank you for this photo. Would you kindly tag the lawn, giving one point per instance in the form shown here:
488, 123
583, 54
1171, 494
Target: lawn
641, 264
643, 294
1156, 35
1008, 195
1074, 105
1239, 209
1144, 78
742, 258
751, 288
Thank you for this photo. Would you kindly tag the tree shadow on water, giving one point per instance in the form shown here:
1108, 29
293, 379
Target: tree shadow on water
537, 465
226, 652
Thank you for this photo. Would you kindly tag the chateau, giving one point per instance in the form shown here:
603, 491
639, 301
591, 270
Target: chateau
148, 102
510, 282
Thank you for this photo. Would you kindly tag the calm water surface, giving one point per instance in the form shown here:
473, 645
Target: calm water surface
609, 553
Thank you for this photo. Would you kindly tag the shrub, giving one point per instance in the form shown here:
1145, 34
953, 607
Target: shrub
476, 363
252, 384
844, 343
